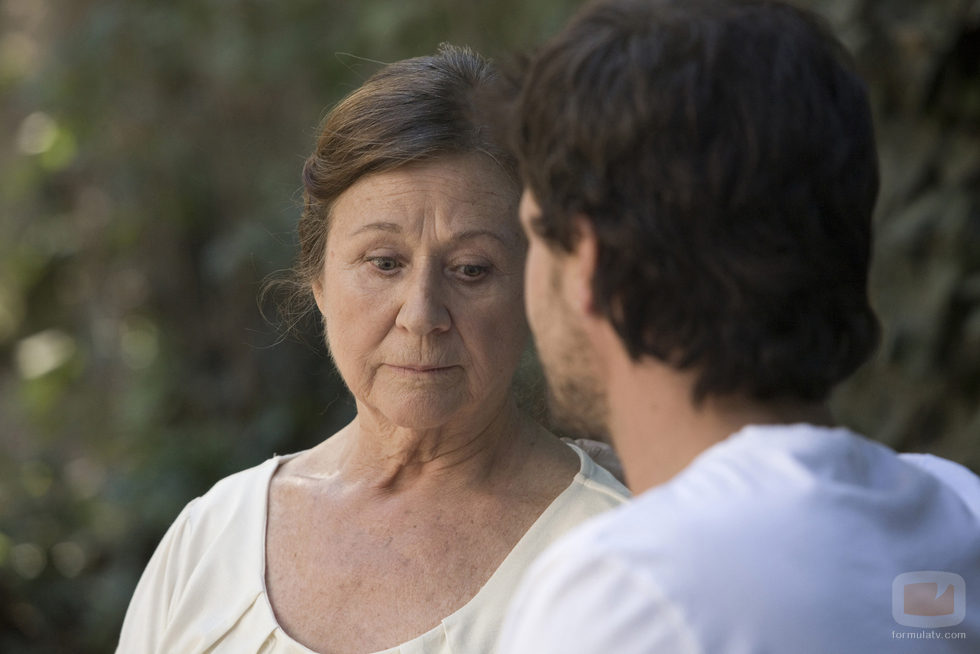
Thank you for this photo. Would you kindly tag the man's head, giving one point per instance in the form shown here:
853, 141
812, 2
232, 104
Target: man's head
721, 155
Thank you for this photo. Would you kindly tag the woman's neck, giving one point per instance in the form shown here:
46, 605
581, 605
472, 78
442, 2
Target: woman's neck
388, 458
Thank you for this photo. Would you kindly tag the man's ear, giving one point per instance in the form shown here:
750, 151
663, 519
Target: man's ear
582, 262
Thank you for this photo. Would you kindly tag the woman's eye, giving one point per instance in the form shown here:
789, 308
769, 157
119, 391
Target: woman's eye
385, 264
471, 271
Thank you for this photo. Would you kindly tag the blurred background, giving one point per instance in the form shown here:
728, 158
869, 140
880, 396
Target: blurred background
150, 164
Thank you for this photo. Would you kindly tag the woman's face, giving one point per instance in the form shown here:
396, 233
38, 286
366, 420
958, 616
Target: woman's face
422, 291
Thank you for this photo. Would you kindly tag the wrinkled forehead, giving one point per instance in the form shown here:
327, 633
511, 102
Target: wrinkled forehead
447, 198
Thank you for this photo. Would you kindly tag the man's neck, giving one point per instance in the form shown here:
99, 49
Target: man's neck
658, 430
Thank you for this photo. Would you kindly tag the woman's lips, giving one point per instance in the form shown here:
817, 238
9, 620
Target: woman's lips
421, 370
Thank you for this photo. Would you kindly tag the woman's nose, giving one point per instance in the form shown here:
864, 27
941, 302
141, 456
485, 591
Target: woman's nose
423, 308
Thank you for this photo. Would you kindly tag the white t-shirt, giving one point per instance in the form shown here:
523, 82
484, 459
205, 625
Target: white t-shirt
204, 588
780, 539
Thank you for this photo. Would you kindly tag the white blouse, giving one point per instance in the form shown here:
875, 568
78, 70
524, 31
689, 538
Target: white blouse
204, 588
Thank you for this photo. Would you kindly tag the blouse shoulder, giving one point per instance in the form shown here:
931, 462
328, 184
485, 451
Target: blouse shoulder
215, 546
596, 479
242, 495
593, 491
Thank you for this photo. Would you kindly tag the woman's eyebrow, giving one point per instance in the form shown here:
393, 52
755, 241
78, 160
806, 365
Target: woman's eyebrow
378, 226
477, 233
468, 234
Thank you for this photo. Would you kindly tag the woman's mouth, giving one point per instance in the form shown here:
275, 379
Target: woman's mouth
421, 369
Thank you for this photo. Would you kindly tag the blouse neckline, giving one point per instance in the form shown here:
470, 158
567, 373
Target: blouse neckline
454, 618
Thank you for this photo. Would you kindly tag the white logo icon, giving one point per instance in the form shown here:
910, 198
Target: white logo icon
928, 599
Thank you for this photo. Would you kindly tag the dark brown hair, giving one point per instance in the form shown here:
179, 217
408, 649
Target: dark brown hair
409, 111
724, 154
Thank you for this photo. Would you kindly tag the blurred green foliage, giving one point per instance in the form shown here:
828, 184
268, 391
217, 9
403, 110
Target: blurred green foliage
149, 182
922, 60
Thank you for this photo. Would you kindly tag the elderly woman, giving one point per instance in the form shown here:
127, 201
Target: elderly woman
407, 530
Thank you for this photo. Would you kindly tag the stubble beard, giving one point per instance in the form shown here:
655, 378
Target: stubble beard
577, 403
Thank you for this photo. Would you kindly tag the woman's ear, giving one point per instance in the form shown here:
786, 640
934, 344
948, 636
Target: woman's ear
317, 287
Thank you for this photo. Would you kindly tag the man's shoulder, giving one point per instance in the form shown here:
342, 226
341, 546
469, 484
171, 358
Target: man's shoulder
759, 504
586, 594
785, 522
956, 478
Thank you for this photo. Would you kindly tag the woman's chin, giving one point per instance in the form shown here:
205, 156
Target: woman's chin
422, 413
